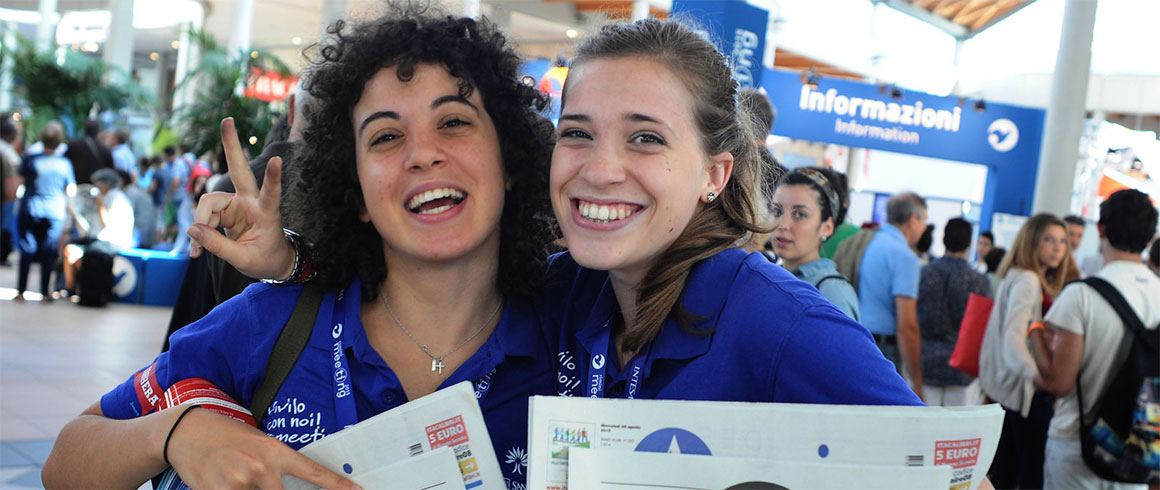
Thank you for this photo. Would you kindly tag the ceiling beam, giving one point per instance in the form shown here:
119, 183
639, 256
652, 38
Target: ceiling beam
946, 25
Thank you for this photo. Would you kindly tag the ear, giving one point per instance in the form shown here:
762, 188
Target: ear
1100, 227
827, 229
364, 216
719, 171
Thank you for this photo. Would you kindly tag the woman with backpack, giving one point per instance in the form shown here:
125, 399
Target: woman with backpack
807, 207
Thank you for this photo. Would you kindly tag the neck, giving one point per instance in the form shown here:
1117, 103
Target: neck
793, 264
958, 255
1111, 255
624, 286
442, 303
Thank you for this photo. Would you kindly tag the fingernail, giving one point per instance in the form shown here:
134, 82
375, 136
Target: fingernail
195, 233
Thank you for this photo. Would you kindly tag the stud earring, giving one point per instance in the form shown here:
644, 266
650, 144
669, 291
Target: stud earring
711, 197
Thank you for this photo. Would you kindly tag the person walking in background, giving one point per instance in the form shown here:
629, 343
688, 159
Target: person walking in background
806, 207
144, 212
49, 183
888, 286
1033, 272
123, 157
10, 180
845, 228
1087, 335
88, 154
943, 289
922, 247
983, 247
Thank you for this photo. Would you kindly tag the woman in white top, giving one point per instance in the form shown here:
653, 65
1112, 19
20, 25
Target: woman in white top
1033, 272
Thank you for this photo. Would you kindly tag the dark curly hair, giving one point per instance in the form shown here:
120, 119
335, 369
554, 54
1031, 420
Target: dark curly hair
1129, 220
323, 197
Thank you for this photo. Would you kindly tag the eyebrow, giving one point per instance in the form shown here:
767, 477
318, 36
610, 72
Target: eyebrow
447, 99
378, 115
575, 117
638, 117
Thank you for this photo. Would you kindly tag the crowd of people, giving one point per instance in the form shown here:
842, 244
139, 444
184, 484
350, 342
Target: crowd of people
459, 236
65, 197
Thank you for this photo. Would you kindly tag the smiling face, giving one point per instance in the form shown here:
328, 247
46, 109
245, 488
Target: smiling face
429, 165
628, 171
1052, 246
800, 230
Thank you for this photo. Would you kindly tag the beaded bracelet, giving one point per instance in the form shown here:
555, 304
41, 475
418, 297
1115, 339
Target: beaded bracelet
165, 448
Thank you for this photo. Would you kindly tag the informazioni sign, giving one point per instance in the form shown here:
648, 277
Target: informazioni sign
1006, 138
865, 115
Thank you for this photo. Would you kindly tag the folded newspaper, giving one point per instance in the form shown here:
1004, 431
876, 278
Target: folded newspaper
891, 437
448, 418
595, 469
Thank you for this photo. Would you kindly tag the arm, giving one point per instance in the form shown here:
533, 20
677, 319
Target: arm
909, 340
208, 451
1057, 369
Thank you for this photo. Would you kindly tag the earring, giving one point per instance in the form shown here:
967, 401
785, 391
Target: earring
711, 197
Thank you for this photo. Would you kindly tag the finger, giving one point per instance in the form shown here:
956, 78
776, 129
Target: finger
217, 243
210, 205
304, 468
269, 482
240, 174
271, 191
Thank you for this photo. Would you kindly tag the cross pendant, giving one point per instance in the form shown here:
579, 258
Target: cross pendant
437, 365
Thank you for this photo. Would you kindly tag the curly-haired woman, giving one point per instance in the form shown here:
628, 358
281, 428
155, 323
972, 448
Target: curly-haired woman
422, 182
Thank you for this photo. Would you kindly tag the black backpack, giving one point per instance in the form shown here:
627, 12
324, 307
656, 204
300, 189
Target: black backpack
1120, 437
95, 279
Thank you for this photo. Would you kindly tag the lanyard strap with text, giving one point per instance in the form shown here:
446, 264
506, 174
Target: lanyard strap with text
344, 409
599, 364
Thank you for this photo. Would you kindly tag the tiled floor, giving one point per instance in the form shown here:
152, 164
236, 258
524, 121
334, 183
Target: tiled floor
56, 359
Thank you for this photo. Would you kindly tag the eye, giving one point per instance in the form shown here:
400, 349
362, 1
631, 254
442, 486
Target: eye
455, 123
777, 212
384, 138
574, 133
648, 138
799, 215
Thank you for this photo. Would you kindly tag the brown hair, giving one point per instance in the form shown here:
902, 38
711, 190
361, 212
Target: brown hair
52, 136
724, 126
1023, 254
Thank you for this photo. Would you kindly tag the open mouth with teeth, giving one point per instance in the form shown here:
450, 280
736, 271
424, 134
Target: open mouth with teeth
604, 213
436, 201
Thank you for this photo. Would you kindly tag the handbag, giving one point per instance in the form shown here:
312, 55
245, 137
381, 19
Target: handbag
965, 357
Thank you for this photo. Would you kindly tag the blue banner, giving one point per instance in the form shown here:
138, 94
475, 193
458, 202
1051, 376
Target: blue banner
1005, 138
737, 28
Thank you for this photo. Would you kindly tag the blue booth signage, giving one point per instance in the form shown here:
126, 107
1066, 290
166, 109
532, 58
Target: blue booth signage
1005, 138
737, 28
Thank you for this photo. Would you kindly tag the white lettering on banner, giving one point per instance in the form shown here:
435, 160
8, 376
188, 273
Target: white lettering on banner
894, 135
744, 53
831, 102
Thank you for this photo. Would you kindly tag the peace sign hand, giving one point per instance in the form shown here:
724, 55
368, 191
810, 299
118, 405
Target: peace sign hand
253, 242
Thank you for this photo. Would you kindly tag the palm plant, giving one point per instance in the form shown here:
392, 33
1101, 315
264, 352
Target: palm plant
216, 95
68, 87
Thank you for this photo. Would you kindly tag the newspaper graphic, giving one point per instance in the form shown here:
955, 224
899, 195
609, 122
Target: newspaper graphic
436, 470
890, 437
621, 470
448, 418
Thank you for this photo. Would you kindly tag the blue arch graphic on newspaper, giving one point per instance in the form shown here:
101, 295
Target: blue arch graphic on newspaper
673, 440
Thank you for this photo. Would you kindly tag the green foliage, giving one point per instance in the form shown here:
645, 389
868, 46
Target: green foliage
217, 96
70, 87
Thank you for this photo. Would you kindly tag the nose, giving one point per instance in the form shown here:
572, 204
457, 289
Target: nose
425, 150
603, 167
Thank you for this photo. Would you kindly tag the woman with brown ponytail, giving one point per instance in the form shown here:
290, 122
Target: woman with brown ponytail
655, 177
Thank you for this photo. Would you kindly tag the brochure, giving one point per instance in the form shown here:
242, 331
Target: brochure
446, 418
892, 437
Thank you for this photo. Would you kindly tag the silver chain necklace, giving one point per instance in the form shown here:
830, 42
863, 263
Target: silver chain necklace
436, 361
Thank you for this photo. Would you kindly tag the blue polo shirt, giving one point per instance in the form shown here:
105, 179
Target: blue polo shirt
762, 335
889, 268
231, 346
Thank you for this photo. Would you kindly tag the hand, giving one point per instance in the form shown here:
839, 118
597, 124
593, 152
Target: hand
209, 450
253, 242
